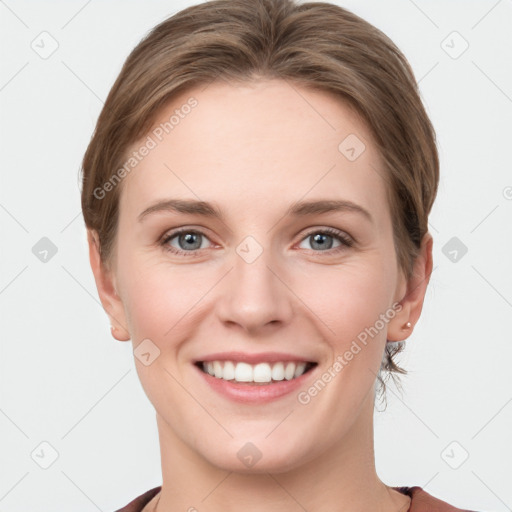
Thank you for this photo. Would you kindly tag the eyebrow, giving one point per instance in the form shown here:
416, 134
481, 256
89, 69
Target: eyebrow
299, 209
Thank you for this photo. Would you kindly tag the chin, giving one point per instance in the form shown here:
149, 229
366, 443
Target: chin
258, 456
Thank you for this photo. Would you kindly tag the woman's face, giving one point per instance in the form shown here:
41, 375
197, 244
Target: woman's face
268, 280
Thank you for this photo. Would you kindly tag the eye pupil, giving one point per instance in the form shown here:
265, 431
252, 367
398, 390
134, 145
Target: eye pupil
319, 238
190, 238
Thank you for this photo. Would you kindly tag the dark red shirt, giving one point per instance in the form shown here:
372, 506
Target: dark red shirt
421, 501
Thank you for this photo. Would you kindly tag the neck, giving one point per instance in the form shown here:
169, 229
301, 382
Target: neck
341, 479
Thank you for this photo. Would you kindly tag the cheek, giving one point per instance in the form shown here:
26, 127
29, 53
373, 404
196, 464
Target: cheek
153, 304
160, 299
350, 301
349, 298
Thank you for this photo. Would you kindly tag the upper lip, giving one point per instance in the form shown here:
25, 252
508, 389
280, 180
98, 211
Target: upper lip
262, 357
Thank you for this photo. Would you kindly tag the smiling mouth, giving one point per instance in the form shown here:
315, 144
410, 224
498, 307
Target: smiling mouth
255, 374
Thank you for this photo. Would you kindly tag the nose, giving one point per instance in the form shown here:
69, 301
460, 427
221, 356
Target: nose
255, 295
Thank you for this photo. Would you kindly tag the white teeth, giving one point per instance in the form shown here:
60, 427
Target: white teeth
243, 372
217, 368
299, 370
278, 371
289, 371
209, 368
261, 372
229, 371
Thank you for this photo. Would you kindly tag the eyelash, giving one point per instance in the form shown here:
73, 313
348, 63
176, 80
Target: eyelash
345, 241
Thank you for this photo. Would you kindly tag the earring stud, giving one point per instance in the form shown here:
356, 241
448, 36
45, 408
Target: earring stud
408, 325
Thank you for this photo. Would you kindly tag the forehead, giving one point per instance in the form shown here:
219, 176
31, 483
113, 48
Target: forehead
255, 143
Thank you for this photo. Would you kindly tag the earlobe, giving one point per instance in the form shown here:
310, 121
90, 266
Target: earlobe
119, 336
105, 284
412, 302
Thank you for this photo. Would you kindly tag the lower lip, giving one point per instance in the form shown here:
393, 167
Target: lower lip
247, 393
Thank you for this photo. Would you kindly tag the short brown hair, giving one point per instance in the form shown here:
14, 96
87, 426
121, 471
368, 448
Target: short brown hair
315, 44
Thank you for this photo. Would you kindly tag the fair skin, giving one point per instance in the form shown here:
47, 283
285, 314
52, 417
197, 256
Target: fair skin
253, 151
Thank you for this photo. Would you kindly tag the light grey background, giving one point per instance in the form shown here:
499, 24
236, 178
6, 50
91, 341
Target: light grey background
65, 381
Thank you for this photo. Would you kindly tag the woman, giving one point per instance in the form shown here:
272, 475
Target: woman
256, 195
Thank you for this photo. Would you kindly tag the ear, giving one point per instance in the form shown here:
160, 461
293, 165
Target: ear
416, 287
105, 283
